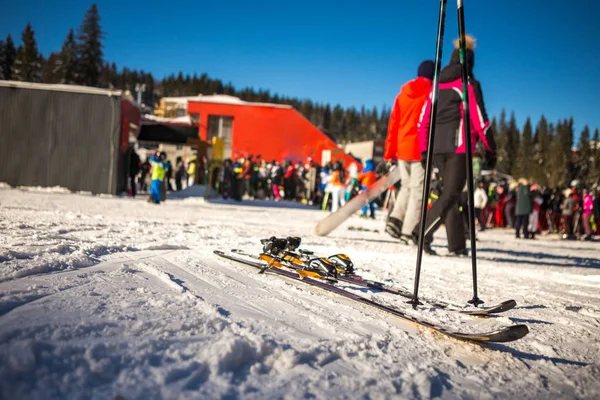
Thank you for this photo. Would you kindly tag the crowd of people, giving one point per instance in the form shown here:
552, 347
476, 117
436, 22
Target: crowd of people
530, 209
328, 186
157, 176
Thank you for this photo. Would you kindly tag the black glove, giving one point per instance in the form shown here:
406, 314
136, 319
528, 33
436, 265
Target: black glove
490, 160
424, 159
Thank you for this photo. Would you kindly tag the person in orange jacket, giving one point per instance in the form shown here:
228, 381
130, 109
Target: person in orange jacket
338, 182
402, 144
368, 177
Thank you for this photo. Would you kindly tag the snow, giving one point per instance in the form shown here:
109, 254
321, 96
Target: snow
108, 297
184, 120
219, 99
60, 88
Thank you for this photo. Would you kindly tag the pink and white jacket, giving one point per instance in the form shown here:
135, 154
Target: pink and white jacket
588, 204
450, 116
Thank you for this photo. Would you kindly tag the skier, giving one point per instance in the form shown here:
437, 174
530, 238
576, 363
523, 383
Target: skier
534, 217
276, 180
135, 165
191, 172
449, 151
310, 180
523, 209
158, 175
289, 181
568, 209
146, 168
262, 176
402, 144
326, 185
588, 211
480, 200
366, 178
338, 190
179, 173
245, 178
227, 179
597, 210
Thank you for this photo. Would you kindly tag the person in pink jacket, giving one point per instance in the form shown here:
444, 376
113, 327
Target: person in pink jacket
588, 211
449, 147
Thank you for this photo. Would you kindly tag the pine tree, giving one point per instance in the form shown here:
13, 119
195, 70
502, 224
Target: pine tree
28, 62
7, 58
67, 63
523, 161
585, 156
2, 61
89, 47
501, 136
568, 149
48, 75
561, 156
541, 153
327, 119
595, 171
512, 144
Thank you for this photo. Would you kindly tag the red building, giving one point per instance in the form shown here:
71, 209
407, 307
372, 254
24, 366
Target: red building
275, 131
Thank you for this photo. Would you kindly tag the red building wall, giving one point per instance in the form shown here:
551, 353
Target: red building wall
130, 114
274, 133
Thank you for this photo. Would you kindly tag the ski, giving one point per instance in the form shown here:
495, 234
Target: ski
333, 220
505, 334
375, 285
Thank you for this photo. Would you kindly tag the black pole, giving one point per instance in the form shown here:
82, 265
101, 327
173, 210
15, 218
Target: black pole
468, 145
429, 160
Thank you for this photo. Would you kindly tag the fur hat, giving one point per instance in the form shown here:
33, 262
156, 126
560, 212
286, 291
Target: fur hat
469, 46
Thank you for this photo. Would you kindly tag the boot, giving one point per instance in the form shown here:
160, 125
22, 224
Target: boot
393, 227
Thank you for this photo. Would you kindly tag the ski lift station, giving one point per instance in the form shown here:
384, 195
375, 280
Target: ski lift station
273, 131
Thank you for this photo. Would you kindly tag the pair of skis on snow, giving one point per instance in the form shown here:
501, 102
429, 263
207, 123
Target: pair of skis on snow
296, 266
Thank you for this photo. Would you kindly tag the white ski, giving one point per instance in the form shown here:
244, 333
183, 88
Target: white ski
332, 221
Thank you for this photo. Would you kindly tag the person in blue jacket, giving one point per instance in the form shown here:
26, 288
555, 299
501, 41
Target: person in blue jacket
159, 166
368, 177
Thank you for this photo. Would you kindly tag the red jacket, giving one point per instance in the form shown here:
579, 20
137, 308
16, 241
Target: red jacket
402, 142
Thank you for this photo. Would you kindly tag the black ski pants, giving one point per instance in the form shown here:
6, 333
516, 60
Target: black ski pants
522, 222
453, 172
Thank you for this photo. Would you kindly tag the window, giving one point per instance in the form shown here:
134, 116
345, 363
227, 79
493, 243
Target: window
221, 127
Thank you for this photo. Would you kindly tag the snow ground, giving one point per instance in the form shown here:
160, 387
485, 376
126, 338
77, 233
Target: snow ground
106, 297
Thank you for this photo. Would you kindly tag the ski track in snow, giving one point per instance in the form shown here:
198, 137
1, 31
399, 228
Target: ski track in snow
103, 297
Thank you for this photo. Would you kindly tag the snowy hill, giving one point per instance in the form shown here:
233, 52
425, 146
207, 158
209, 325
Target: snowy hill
103, 297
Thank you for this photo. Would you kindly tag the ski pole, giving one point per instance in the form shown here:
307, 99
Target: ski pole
468, 145
429, 157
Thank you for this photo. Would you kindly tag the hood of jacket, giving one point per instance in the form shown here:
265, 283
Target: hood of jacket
452, 71
369, 166
417, 88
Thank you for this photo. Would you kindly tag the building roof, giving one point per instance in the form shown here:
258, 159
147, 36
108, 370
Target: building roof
60, 88
220, 99
185, 120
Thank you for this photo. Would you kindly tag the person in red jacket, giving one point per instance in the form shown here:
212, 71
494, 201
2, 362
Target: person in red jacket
402, 144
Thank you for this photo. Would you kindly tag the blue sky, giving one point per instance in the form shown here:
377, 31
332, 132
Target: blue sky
533, 57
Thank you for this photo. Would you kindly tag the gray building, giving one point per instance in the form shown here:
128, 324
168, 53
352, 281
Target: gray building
64, 135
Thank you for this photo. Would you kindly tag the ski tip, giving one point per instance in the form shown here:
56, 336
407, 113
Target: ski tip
509, 334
